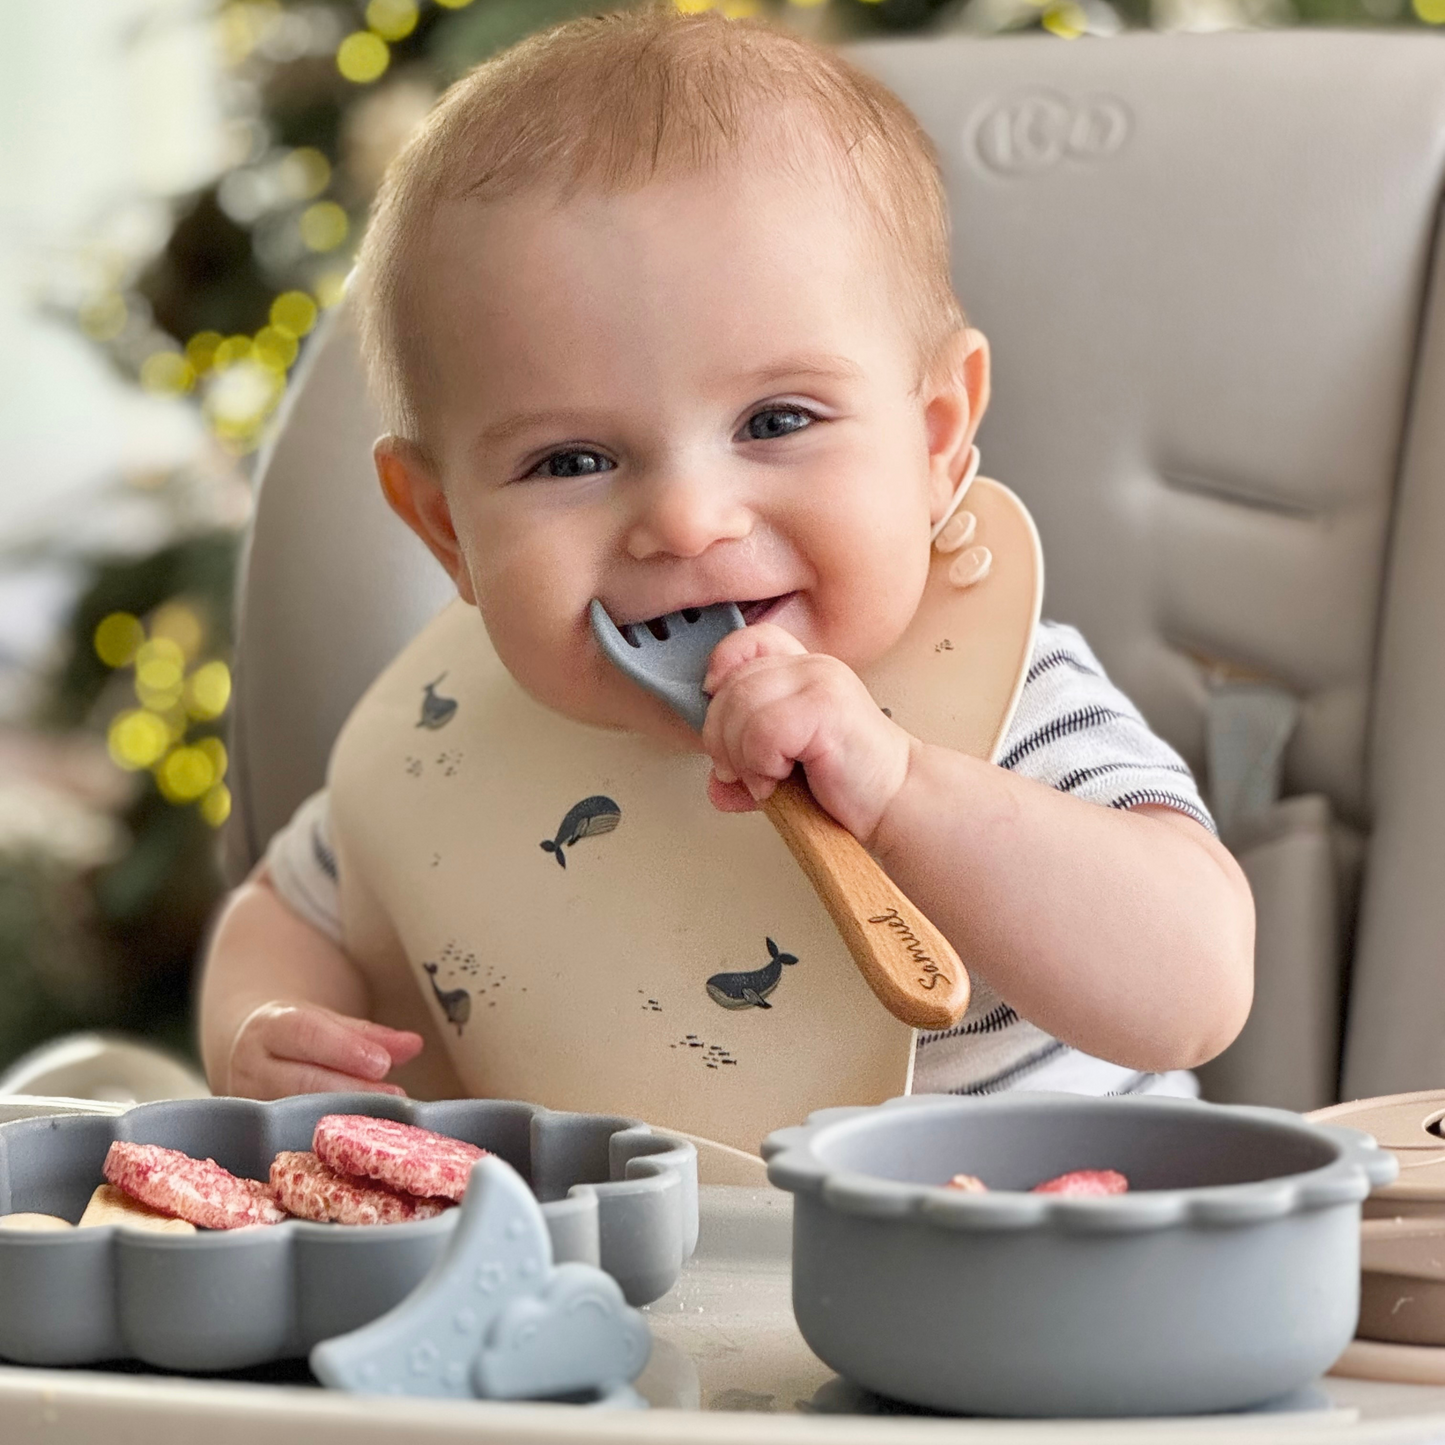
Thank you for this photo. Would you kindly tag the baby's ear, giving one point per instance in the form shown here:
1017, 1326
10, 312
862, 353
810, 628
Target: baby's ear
411, 486
955, 398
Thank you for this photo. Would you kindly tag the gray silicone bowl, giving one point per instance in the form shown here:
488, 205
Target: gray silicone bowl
1226, 1277
613, 1193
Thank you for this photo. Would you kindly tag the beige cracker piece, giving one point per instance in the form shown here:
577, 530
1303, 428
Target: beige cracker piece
109, 1205
585, 987
34, 1223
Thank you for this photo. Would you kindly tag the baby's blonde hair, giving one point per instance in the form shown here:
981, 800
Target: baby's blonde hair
614, 101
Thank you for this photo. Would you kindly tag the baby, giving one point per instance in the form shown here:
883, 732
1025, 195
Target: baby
659, 311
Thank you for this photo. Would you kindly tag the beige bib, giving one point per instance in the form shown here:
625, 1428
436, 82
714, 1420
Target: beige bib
586, 931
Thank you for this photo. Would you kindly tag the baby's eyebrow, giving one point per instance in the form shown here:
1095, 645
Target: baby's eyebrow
827, 367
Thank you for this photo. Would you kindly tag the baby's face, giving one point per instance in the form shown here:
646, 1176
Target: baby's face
702, 391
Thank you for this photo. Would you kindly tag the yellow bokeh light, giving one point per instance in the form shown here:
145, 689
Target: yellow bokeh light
159, 673
362, 57
324, 226
293, 311
201, 350
691, 7
331, 288
454, 4
807, 4
1066, 19
103, 318
118, 637
392, 19
137, 739
215, 749
208, 691
185, 774
1432, 12
167, 373
741, 9
230, 351
304, 173
180, 623
275, 347
216, 805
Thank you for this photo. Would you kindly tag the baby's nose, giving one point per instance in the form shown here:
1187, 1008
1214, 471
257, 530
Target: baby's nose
683, 514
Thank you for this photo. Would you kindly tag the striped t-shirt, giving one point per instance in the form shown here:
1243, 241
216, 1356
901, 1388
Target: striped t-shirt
1075, 731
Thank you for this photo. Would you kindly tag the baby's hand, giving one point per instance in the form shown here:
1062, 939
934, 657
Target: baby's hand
775, 704
300, 1048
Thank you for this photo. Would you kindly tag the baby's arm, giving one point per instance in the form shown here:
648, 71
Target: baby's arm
282, 1007
1129, 934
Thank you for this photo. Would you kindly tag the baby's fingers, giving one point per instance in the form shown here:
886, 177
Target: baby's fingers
310, 1035
281, 1078
401, 1044
746, 645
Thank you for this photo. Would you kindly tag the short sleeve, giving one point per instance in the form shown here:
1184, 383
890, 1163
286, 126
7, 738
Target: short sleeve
1075, 731
302, 865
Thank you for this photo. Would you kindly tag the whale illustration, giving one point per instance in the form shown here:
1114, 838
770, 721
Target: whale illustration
456, 1002
587, 819
749, 990
436, 712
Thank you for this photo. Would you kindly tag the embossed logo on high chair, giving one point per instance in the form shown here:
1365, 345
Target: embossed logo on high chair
1032, 131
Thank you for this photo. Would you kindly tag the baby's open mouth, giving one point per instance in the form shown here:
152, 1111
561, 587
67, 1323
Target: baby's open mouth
757, 611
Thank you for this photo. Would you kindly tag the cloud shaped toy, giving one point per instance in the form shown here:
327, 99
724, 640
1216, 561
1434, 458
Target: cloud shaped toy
494, 1317
578, 1334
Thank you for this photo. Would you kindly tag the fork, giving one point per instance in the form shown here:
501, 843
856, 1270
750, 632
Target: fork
910, 966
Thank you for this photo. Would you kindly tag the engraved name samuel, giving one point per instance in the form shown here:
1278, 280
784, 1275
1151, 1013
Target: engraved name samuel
933, 975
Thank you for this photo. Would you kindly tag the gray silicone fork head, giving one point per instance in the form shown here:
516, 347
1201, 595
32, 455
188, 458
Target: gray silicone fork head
673, 665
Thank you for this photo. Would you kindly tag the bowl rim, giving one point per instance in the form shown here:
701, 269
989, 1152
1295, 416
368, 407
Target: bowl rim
1358, 1166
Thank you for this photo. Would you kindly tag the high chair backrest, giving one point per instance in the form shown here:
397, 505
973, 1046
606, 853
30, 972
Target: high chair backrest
1206, 267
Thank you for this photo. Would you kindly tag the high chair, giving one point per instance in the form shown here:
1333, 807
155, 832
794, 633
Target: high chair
1206, 267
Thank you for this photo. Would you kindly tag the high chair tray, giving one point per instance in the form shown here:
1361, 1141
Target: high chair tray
728, 1366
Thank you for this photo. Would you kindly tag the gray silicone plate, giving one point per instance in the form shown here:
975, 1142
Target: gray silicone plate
613, 1193
1227, 1276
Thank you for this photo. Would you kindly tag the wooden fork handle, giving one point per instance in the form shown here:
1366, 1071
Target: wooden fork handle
907, 962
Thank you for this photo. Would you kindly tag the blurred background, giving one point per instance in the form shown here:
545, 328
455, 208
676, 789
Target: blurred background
182, 185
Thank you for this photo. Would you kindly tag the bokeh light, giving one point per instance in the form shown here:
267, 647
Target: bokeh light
167, 373
454, 4
208, 691
117, 639
201, 350
275, 347
216, 805
185, 774
179, 622
363, 57
303, 174
331, 288
392, 19
324, 226
137, 739
294, 311
1432, 12
215, 750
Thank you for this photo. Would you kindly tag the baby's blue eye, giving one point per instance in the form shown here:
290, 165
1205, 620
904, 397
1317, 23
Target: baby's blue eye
573, 464
776, 421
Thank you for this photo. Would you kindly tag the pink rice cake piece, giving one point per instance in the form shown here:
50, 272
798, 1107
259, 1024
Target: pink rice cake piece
198, 1190
1083, 1183
409, 1159
310, 1189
